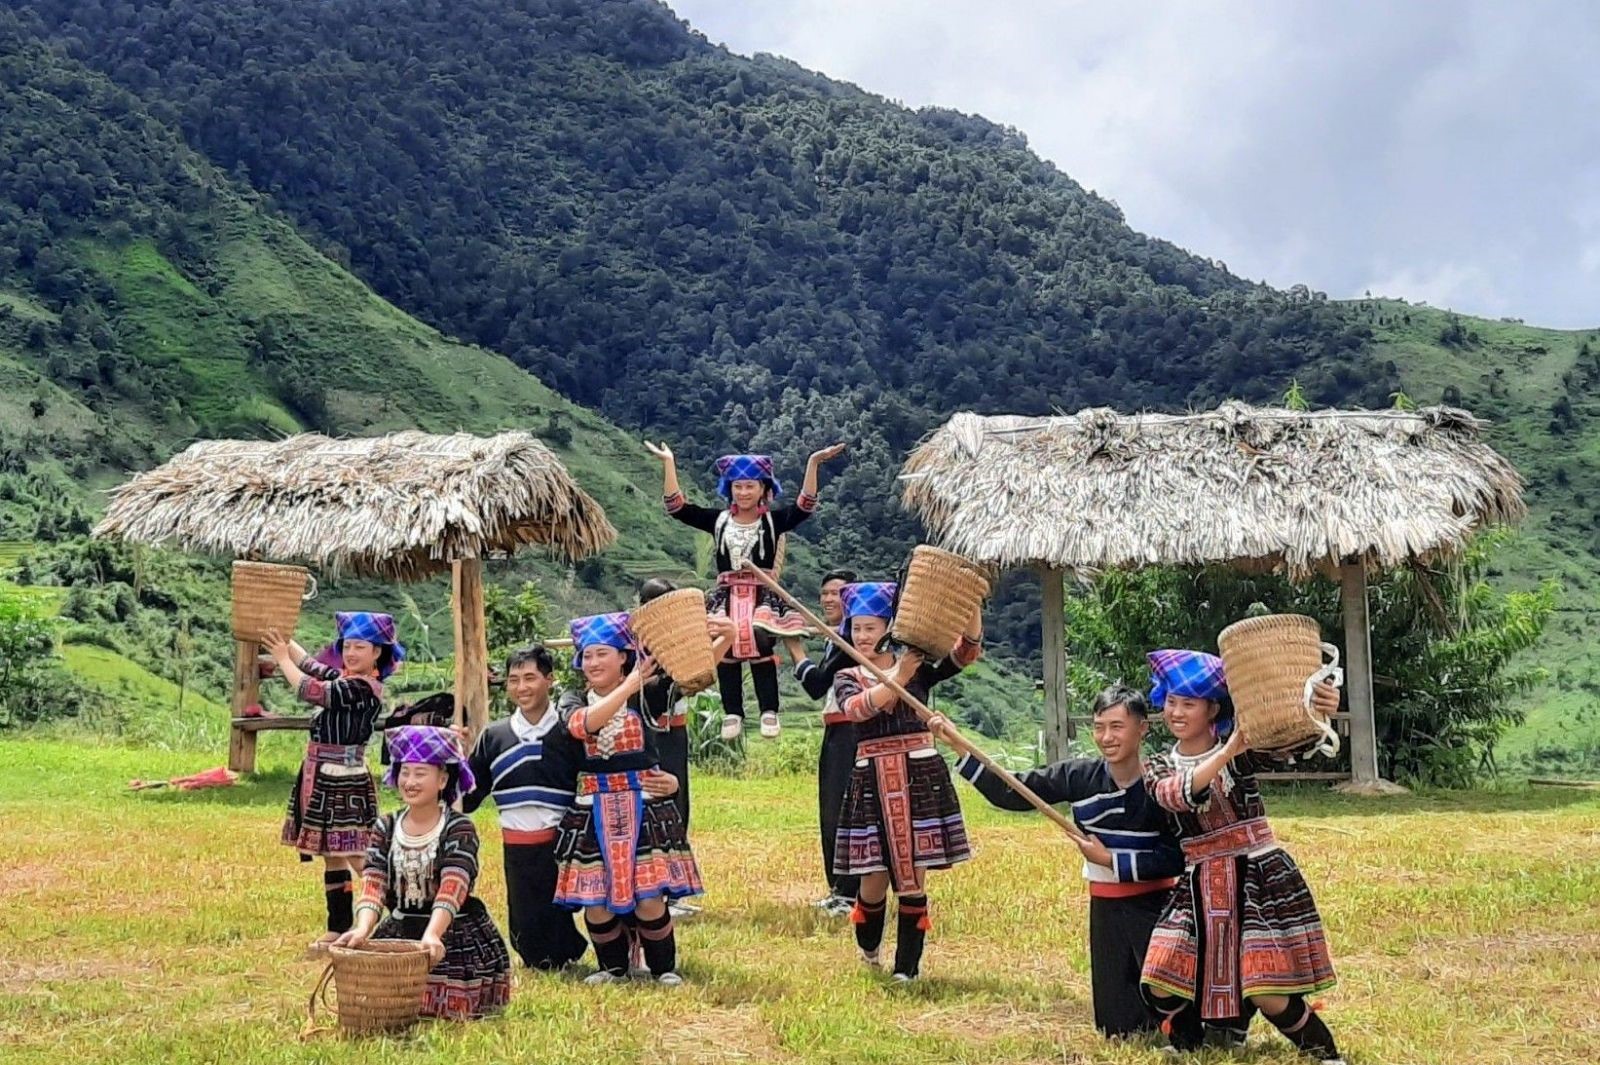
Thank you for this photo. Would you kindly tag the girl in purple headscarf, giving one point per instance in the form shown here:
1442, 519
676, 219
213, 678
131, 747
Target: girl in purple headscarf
421, 867
335, 802
748, 528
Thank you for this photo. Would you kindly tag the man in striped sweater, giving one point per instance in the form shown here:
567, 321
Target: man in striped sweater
530, 768
1132, 861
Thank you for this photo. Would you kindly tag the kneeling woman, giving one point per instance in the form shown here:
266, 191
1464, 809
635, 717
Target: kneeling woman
1260, 944
622, 851
900, 816
421, 867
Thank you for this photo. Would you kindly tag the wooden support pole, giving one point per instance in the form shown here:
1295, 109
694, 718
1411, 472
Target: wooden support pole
246, 692
472, 646
1358, 673
1058, 727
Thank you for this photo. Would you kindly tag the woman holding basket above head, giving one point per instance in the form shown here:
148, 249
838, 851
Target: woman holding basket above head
334, 803
1241, 931
747, 529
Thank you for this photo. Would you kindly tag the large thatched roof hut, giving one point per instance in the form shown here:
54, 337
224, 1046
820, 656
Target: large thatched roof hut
403, 507
1337, 492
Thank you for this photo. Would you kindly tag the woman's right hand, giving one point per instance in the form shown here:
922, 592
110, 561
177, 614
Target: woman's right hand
660, 451
644, 669
277, 645
354, 939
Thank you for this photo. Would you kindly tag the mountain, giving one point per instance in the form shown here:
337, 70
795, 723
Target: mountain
1540, 391
730, 252
146, 299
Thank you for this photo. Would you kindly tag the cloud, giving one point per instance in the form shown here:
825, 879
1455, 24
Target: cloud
1447, 146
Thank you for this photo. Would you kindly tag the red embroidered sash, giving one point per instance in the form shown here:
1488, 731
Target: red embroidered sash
891, 764
618, 816
1216, 909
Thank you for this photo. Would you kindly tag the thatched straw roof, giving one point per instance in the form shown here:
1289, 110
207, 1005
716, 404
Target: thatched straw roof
1239, 485
402, 506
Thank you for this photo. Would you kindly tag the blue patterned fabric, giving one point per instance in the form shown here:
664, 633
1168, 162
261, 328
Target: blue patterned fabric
732, 468
376, 629
603, 630
425, 745
1193, 674
866, 599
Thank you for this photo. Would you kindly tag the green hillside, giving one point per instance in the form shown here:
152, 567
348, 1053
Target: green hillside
1537, 388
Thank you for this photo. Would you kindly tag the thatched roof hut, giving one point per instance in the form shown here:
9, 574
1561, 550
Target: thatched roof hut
1240, 485
1335, 492
402, 507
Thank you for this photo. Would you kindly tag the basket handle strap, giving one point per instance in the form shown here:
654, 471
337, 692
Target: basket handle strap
311, 588
318, 993
1330, 672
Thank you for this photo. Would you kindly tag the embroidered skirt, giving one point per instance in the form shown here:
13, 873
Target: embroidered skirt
474, 979
900, 814
1258, 933
622, 849
758, 615
334, 803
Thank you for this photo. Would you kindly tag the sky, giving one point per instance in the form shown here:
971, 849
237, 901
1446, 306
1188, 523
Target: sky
1446, 152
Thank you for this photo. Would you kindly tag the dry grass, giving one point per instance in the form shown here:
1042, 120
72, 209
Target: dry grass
168, 927
1237, 485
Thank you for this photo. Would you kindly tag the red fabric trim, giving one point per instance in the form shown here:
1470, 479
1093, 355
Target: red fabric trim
893, 745
805, 501
894, 799
1236, 839
1130, 888
524, 837
673, 502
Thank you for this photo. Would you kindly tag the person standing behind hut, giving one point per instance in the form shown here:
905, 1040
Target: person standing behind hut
622, 853
748, 529
422, 866
1131, 860
901, 816
334, 803
1261, 944
529, 767
837, 759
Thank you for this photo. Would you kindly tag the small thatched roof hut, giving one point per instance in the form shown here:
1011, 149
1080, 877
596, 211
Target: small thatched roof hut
1338, 492
402, 507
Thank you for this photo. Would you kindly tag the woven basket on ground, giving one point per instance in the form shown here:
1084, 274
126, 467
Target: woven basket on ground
1267, 661
378, 986
673, 628
937, 600
267, 598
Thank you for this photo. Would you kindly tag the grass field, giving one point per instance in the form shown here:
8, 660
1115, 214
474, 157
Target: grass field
168, 927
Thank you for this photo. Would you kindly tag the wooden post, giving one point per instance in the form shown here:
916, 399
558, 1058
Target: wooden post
246, 691
472, 646
1058, 727
1358, 673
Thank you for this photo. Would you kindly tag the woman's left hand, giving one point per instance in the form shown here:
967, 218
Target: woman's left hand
1325, 699
658, 783
277, 645
434, 946
645, 669
827, 454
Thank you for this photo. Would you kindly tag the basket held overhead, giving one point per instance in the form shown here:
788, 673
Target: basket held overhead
673, 628
937, 600
1272, 663
267, 598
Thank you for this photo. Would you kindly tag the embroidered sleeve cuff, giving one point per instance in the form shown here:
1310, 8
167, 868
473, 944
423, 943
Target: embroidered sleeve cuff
802, 667
806, 501
314, 691
674, 502
1124, 865
970, 768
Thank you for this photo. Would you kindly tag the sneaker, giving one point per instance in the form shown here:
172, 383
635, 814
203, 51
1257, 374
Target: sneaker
670, 980
602, 977
770, 726
680, 909
732, 727
872, 959
842, 907
904, 978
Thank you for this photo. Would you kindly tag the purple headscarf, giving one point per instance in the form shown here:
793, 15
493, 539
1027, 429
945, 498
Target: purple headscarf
425, 745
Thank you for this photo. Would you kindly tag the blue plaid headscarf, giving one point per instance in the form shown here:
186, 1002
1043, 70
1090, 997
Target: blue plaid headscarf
1193, 674
603, 630
866, 599
376, 629
732, 468
426, 745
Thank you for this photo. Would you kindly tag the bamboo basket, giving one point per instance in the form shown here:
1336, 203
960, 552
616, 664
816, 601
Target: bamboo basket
940, 592
673, 628
378, 987
267, 598
1269, 662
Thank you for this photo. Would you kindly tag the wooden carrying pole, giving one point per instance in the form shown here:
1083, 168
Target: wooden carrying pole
952, 737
